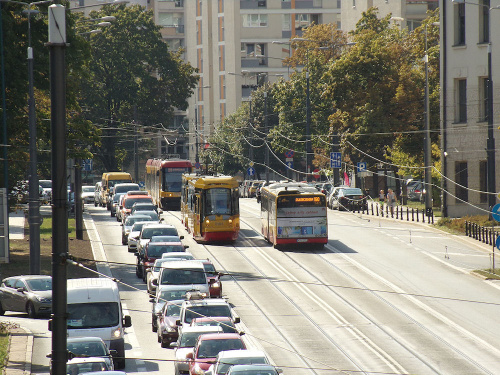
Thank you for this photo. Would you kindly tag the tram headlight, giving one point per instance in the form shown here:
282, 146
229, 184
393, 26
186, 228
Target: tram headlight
230, 221
207, 222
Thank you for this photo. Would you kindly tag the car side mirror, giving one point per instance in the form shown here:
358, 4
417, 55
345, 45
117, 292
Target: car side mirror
237, 320
154, 282
127, 321
190, 356
20, 290
151, 300
178, 322
113, 352
181, 237
121, 224
186, 247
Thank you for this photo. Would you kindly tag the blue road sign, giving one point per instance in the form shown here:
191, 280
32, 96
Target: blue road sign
86, 165
251, 171
289, 153
197, 165
495, 212
497, 242
361, 166
289, 164
335, 160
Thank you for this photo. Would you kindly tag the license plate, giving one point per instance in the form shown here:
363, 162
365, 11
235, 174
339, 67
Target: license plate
302, 240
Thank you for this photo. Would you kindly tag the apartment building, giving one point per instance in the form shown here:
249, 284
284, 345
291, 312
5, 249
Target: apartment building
408, 13
469, 126
236, 45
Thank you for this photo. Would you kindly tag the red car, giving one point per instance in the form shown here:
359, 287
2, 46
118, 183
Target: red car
208, 346
167, 329
213, 278
153, 251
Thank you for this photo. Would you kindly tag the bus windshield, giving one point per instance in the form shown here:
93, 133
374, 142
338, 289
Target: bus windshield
218, 201
93, 315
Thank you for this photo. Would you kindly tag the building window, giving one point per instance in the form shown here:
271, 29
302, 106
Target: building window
461, 101
255, 20
461, 177
483, 181
339, 4
459, 23
483, 99
286, 24
304, 20
163, 148
484, 21
253, 49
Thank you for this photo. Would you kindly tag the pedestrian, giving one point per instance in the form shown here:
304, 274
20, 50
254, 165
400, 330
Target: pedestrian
391, 201
381, 196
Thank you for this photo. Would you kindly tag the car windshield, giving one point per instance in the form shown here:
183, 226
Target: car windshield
165, 239
209, 269
228, 362
254, 372
137, 227
147, 233
80, 368
87, 189
129, 202
45, 184
353, 192
207, 310
156, 251
116, 197
40, 285
126, 188
93, 315
152, 215
88, 349
227, 325
133, 219
210, 348
112, 183
173, 310
170, 295
143, 207
182, 276
188, 339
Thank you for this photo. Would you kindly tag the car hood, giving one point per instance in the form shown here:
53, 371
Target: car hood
43, 293
181, 353
205, 363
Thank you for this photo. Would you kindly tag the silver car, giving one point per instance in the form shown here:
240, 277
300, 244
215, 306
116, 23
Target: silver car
31, 294
90, 347
129, 222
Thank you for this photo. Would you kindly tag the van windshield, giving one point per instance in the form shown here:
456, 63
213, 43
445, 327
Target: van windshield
182, 276
93, 315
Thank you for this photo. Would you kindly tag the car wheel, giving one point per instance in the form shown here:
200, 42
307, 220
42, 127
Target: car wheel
138, 272
124, 241
120, 363
143, 276
30, 309
2, 311
164, 344
112, 213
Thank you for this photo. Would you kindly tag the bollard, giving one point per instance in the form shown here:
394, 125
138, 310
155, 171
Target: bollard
401, 216
412, 214
432, 217
483, 231
397, 212
407, 214
372, 209
466, 228
376, 210
417, 214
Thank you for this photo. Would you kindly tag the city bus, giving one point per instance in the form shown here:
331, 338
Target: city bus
164, 180
108, 181
210, 206
293, 213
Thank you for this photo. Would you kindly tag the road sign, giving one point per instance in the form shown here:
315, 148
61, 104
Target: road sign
251, 171
497, 242
316, 173
197, 165
289, 164
289, 153
495, 212
335, 160
361, 166
86, 165
251, 163
288, 159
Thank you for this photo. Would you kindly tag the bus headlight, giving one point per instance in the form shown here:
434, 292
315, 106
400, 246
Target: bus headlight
116, 333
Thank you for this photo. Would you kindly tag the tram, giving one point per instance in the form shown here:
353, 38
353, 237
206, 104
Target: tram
164, 181
210, 207
293, 213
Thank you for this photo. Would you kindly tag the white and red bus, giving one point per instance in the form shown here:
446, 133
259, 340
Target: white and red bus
293, 213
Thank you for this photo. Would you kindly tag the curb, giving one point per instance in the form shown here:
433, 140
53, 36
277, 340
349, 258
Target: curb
20, 352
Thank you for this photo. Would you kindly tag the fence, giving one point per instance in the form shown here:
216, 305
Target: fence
399, 212
486, 235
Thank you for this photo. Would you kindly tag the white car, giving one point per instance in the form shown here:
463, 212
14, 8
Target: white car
129, 223
227, 358
46, 193
154, 230
135, 232
80, 365
154, 271
88, 193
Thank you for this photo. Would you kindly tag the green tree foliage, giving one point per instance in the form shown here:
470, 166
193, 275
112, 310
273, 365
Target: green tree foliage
132, 76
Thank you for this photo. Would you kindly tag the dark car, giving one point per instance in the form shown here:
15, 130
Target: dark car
31, 294
154, 250
167, 329
89, 347
347, 198
144, 206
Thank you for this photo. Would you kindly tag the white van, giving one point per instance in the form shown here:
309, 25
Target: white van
95, 309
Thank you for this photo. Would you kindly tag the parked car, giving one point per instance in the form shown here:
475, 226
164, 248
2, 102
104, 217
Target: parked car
46, 190
347, 198
416, 190
87, 194
30, 293
252, 189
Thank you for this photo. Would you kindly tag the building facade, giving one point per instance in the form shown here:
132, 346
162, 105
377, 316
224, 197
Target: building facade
469, 126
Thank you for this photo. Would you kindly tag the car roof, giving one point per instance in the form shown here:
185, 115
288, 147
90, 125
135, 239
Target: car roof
161, 225
170, 243
219, 336
30, 277
84, 339
202, 329
212, 318
262, 367
143, 204
87, 359
241, 353
184, 264
207, 302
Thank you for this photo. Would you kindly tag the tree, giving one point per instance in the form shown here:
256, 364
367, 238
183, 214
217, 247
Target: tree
132, 78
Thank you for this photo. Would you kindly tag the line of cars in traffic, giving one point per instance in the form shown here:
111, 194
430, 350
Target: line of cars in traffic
188, 310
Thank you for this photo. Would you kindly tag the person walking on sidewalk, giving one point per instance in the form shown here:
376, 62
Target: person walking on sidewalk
391, 201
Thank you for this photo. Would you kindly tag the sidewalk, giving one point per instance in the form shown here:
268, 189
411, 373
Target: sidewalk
21, 339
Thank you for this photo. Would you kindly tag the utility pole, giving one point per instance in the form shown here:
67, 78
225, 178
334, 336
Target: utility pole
266, 134
34, 194
136, 148
427, 137
490, 143
308, 125
250, 151
78, 199
57, 46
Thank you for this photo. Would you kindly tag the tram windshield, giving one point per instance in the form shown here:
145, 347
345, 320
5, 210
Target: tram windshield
218, 201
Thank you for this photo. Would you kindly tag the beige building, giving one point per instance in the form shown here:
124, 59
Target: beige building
466, 125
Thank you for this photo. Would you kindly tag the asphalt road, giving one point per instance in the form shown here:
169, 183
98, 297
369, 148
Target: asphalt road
384, 296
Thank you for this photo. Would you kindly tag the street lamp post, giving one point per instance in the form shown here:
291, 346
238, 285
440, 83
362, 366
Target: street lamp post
197, 157
427, 141
266, 133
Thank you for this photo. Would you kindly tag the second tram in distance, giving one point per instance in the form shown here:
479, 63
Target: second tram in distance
293, 213
210, 207
164, 181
